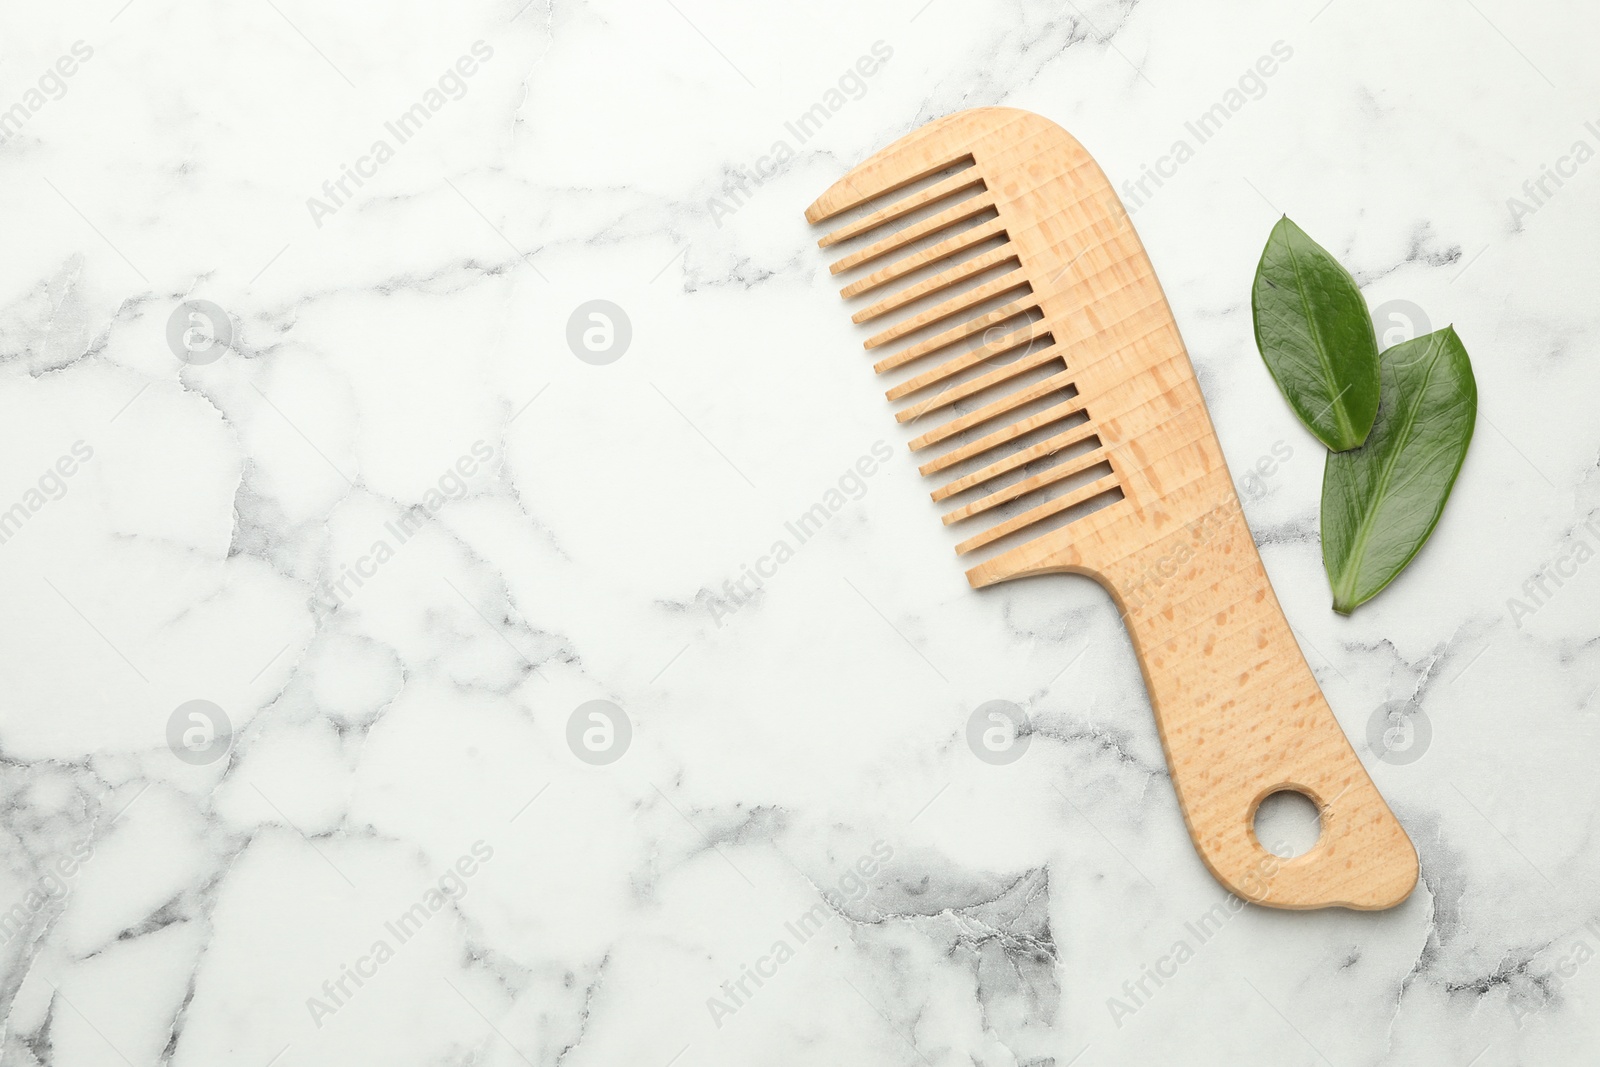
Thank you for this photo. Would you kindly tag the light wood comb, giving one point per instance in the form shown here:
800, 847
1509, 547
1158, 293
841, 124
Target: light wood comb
1074, 423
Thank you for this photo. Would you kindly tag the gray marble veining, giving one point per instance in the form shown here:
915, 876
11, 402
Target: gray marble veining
400, 662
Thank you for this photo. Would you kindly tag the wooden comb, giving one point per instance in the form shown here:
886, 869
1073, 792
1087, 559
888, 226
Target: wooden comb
1072, 421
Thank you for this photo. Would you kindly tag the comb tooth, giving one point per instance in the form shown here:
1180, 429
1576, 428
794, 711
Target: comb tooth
969, 207
967, 268
1043, 511
1024, 334
965, 301
1022, 458
937, 191
1059, 380
1011, 492
934, 252
976, 385
914, 157
945, 249
950, 337
1000, 437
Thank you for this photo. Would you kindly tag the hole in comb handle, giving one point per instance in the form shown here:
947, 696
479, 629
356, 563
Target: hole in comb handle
1287, 822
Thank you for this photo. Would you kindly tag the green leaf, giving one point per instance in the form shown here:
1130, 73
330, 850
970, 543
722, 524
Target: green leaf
1381, 501
1315, 335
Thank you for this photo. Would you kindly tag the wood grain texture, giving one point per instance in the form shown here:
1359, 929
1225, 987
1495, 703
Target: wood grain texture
1239, 712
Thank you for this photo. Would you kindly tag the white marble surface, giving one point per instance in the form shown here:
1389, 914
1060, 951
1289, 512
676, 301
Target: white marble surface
382, 733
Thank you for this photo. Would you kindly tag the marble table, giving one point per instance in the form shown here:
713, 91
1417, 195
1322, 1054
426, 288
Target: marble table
401, 409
